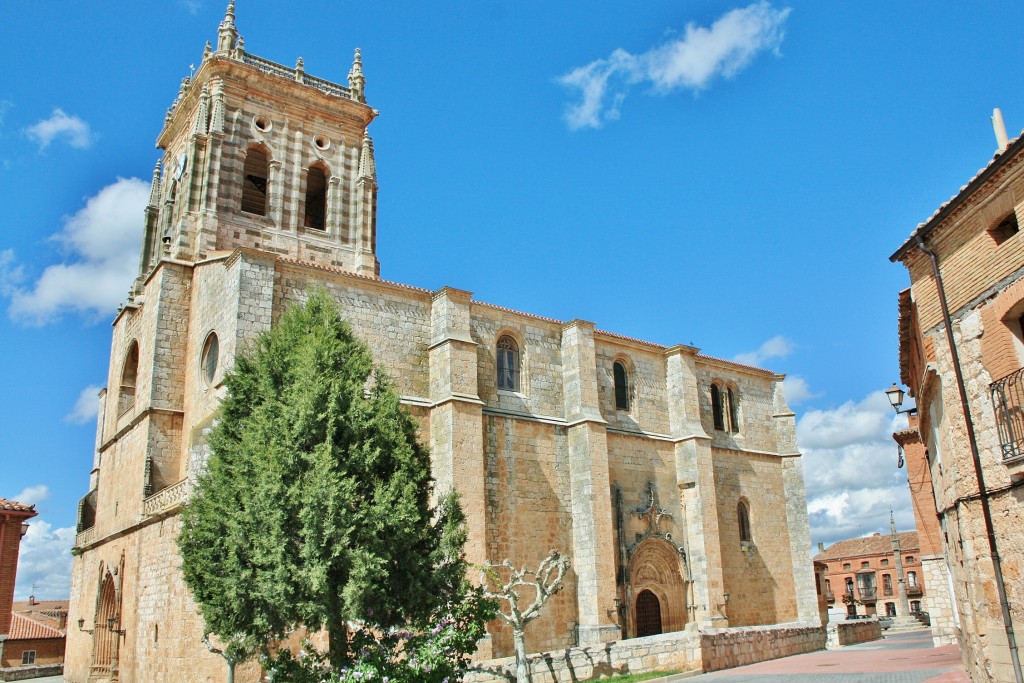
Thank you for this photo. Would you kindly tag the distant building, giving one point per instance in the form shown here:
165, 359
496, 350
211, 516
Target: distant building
961, 333
862, 578
37, 634
14, 518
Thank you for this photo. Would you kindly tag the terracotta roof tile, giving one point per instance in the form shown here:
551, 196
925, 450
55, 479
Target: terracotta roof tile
15, 506
26, 628
879, 544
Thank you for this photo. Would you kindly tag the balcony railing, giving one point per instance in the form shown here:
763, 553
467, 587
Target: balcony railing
1008, 401
166, 499
867, 593
914, 589
829, 595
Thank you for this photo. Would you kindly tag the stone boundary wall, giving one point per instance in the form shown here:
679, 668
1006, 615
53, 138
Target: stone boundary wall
853, 632
678, 651
22, 673
742, 645
687, 650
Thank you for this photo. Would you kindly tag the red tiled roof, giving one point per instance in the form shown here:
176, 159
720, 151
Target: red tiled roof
879, 544
1001, 157
24, 627
15, 506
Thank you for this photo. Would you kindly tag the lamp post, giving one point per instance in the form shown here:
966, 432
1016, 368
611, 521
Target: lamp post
895, 396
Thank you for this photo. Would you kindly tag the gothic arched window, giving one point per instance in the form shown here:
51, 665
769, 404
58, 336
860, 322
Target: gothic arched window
508, 364
743, 517
254, 182
621, 376
717, 411
734, 417
129, 377
316, 199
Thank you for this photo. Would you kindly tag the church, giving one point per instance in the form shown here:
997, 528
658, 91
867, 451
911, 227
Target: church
671, 479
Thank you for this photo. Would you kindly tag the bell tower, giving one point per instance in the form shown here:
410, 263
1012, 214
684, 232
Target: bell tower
266, 157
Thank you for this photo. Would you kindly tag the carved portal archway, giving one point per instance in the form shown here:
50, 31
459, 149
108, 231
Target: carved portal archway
106, 632
656, 581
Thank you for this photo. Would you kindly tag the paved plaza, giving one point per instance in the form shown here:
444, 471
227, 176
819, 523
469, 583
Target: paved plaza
898, 658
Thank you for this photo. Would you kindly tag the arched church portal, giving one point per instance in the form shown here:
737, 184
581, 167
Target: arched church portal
104, 631
656, 583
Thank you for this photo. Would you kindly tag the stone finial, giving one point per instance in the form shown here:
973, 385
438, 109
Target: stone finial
240, 47
154, 188
227, 34
300, 67
217, 112
356, 79
201, 125
207, 50
367, 166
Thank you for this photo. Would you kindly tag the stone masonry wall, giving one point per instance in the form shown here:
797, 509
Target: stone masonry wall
758, 577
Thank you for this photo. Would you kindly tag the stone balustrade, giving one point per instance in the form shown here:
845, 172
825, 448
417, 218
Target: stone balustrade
166, 500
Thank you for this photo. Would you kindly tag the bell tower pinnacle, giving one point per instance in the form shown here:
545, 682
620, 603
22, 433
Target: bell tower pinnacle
266, 157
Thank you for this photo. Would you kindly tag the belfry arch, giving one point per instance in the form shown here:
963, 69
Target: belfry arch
656, 594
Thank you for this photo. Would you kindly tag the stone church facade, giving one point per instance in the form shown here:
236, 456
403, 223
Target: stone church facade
670, 478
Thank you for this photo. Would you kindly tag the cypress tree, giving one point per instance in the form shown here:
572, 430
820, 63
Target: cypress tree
314, 507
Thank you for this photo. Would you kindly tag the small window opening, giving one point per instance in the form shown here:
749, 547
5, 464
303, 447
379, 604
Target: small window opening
254, 187
743, 516
209, 358
129, 378
1005, 229
28, 657
717, 411
316, 199
734, 420
508, 364
621, 386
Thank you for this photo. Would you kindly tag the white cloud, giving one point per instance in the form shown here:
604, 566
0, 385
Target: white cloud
797, 390
44, 565
776, 347
192, 6
86, 406
11, 274
691, 62
33, 494
60, 126
102, 240
850, 470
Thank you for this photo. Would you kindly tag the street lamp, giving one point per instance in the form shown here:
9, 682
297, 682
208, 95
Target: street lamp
895, 396
24, 529
81, 626
110, 626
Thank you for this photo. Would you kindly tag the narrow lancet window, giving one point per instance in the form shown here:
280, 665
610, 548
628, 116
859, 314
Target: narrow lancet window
316, 199
621, 386
129, 377
254, 182
508, 364
717, 411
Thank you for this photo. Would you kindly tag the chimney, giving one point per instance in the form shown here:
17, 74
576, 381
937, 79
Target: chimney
821, 547
32, 600
1002, 142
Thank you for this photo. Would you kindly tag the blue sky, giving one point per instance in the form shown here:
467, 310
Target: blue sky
729, 175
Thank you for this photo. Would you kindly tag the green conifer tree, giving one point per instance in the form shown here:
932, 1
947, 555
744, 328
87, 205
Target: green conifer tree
314, 507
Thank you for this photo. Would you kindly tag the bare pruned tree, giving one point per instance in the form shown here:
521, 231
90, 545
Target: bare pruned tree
544, 583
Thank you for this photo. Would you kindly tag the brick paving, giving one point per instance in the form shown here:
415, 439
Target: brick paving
898, 658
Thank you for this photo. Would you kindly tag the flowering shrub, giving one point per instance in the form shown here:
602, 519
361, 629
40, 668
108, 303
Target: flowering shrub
436, 652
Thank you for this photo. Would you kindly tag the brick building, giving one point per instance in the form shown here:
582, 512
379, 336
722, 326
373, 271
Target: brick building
862, 576
37, 633
14, 518
962, 358
670, 478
